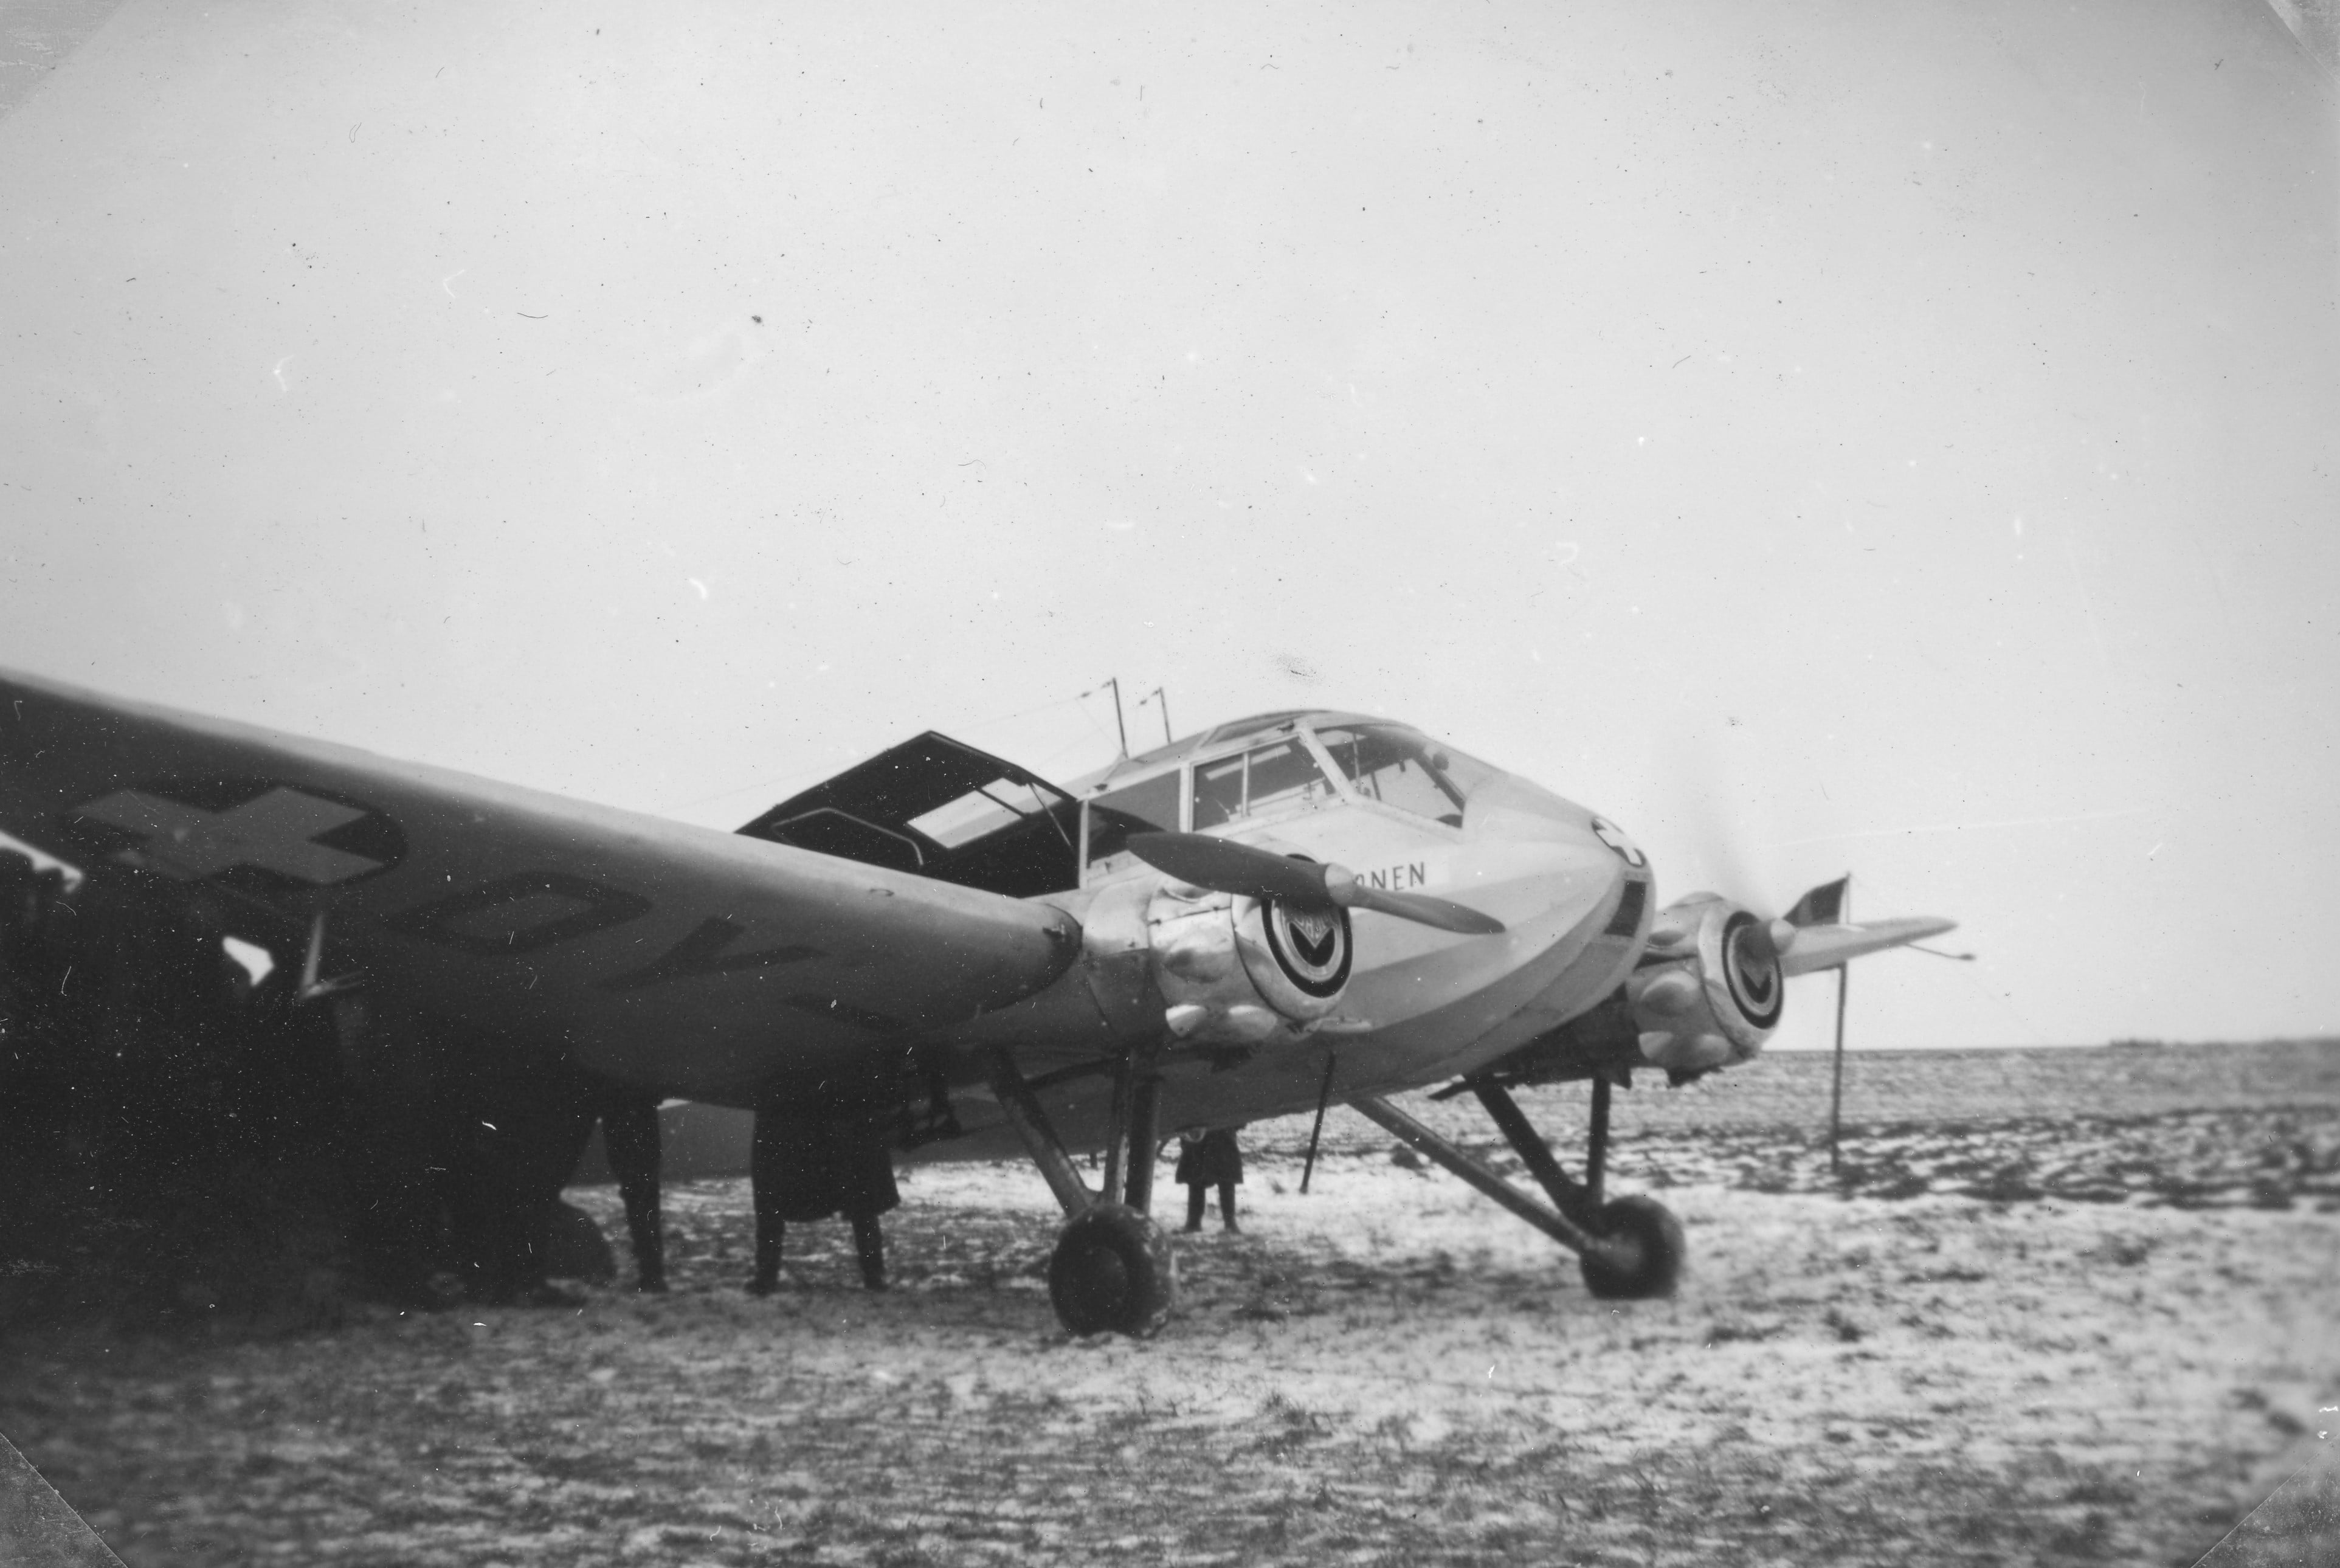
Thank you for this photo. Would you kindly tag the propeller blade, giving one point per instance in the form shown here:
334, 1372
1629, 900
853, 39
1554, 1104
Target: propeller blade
1712, 812
1443, 914
1224, 865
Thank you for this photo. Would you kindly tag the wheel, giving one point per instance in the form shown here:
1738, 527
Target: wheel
1112, 1273
1641, 1255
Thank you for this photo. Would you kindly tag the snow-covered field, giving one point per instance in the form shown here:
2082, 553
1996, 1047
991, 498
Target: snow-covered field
1387, 1369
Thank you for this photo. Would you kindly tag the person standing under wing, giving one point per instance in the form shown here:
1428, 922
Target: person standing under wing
1206, 1160
810, 1165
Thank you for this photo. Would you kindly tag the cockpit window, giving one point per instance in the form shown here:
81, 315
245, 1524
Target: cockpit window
1218, 791
1261, 783
1400, 767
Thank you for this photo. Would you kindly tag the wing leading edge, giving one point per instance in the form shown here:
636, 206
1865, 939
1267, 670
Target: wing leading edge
1825, 946
696, 961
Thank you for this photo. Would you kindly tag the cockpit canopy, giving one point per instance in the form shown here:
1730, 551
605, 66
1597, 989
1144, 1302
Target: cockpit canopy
1274, 766
937, 807
942, 809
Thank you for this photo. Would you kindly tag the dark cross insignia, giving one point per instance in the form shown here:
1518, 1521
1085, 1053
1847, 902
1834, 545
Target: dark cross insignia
275, 831
1609, 833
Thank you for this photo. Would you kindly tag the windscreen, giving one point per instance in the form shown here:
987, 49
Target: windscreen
1401, 768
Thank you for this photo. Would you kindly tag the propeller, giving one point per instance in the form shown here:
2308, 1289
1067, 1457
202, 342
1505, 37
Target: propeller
1224, 865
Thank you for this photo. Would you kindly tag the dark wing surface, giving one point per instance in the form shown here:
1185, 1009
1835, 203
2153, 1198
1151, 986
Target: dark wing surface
694, 961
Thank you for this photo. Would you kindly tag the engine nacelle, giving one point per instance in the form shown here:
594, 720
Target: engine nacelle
1710, 989
1240, 971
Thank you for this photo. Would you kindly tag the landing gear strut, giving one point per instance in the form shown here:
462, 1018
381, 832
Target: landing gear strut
1626, 1249
1112, 1271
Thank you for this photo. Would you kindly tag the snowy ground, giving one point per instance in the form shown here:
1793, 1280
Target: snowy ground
1387, 1370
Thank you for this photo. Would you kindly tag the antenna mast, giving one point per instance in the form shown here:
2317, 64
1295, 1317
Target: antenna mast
1158, 696
1119, 727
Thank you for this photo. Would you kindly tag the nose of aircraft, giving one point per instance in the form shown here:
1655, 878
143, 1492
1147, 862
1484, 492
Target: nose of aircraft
1573, 857
1541, 866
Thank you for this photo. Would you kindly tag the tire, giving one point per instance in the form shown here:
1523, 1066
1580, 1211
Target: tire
1112, 1273
1644, 1254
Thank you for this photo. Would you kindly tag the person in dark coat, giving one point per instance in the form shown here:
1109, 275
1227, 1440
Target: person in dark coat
629, 1136
809, 1162
1207, 1160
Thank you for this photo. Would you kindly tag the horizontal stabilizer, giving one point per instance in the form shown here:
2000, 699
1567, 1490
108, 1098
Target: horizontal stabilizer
1826, 947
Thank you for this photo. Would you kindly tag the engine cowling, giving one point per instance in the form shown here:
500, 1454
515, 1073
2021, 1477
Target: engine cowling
1710, 989
1239, 971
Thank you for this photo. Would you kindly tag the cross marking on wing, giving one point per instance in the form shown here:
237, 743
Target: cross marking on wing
276, 832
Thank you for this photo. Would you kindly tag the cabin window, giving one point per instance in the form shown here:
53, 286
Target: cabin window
1265, 781
1218, 791
1150, 806
1399, 768
1283, 774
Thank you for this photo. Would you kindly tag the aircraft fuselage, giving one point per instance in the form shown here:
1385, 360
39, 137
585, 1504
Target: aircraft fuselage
1419, 1004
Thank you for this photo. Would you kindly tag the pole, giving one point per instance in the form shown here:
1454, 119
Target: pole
1158, 696
1836, 1090
1323, 1099
1115, 681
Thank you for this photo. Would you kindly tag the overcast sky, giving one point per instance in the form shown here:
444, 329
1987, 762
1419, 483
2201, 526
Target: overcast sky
1825, 437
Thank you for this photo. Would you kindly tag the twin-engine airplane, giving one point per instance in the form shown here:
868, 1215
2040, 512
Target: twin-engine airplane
1291, 908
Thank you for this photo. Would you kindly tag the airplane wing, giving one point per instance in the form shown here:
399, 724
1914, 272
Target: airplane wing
1825, 946
679, 958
